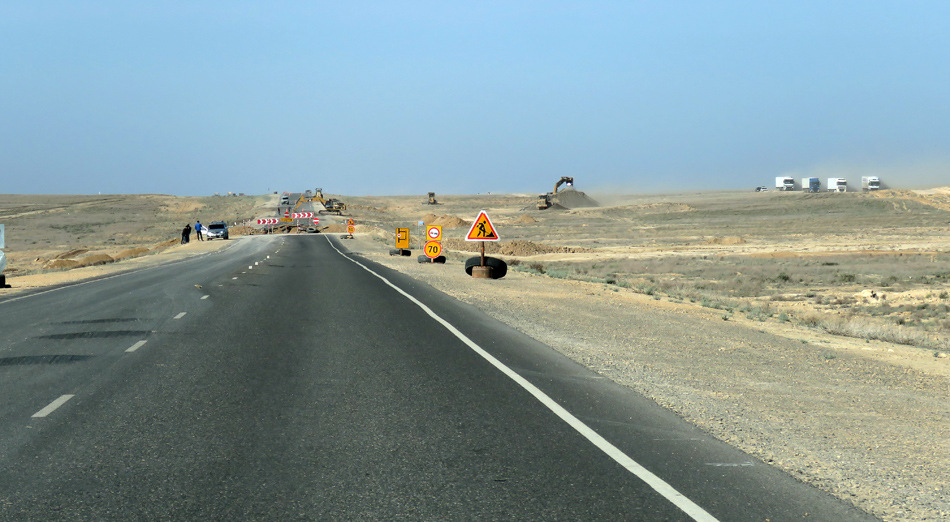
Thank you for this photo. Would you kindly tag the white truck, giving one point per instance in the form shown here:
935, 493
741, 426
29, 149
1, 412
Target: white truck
870, 183
784, 183
837, 185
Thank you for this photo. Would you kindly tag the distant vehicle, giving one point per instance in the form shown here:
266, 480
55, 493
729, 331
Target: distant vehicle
285, 200
217, 229
811, 184
837, 185
870, 183
762, 189
784, 183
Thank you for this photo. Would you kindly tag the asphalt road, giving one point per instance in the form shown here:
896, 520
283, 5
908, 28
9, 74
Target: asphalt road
281, 379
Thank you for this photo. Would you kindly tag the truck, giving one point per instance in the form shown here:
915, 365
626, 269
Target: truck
837, 185
784, 183
870, 183
811, 184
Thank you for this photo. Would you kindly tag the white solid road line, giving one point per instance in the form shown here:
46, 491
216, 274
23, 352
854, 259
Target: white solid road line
136, 346
659, 485
53, 406
179, 316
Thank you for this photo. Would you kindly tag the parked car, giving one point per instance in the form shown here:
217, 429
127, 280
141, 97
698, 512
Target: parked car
761, 189
217, 229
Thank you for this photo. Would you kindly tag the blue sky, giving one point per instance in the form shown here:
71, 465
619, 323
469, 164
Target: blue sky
374, 97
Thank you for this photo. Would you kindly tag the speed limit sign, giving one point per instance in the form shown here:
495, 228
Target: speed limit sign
433, 249
434, 232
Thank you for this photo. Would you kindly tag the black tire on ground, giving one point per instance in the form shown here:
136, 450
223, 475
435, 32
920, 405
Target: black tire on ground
498, 267
405, 252
423, 258
440, 260
395, 252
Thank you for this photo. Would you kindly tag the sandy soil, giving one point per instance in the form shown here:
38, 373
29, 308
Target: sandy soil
864, 420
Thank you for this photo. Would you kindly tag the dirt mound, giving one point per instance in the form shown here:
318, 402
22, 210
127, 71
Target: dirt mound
525, 219
444, 221
61, 264
731, 240
132, 252
66, 264
517, 248
571, 198
71, 253
96, 260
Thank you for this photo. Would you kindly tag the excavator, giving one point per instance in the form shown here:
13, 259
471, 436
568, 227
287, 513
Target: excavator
545, 201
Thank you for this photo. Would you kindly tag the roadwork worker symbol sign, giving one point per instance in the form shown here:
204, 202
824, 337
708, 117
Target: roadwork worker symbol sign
482, 229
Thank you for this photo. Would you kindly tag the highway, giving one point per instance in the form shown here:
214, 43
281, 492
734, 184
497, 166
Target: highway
283, 378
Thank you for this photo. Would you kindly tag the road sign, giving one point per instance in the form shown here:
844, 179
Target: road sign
268, 221
298, 215
350, 229
482, 229
316, 221
350, 221
287, 213
433, 249
434, 232
402, 238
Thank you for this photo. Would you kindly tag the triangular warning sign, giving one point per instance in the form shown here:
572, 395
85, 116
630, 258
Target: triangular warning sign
482, 229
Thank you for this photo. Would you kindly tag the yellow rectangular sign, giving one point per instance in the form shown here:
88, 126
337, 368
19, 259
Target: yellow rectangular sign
402, 238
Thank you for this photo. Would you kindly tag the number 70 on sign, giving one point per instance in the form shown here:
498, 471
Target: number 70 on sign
433, 249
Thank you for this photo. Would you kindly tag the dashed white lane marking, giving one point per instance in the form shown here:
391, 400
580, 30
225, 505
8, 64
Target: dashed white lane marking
53, 406
205, 296
659, 485
233, 278
136, 346
179, 316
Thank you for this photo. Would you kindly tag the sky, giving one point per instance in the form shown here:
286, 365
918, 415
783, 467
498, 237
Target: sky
358, 98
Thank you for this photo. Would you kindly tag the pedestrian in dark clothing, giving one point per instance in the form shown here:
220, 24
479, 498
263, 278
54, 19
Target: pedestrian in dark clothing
186, 234
198, 229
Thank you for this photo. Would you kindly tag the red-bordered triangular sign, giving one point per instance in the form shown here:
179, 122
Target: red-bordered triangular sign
482, 229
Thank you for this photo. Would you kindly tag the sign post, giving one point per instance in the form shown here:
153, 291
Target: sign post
482, 230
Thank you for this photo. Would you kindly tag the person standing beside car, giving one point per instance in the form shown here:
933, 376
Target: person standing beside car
186, 234
198, 231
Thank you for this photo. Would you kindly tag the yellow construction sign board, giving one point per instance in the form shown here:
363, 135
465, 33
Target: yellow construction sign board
482, 229
402, 238
433, 233
350, 229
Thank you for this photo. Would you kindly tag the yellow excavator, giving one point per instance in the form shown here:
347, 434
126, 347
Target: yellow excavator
545, 201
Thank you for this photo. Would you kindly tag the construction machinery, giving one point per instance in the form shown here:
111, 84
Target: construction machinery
330, 205
547, 200
432, 200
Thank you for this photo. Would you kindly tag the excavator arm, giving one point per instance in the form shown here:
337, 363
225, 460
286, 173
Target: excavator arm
563, 180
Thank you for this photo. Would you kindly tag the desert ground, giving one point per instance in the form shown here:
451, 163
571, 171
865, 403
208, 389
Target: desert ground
810, 330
